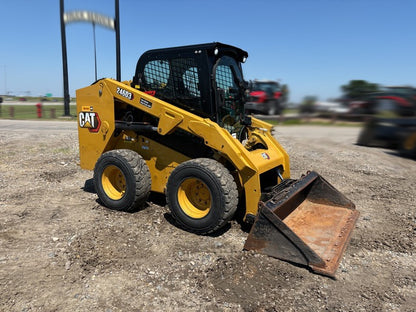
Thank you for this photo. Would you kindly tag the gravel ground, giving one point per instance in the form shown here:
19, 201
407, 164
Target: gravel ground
60, 250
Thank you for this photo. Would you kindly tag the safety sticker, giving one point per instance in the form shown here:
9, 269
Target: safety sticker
86, 108
146, 103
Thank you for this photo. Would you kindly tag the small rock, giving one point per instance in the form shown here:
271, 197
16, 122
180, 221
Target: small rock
365, 296
218, 244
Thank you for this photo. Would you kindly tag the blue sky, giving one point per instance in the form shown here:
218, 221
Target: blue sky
313, 46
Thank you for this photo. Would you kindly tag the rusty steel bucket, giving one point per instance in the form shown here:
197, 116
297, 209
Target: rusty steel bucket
305, 221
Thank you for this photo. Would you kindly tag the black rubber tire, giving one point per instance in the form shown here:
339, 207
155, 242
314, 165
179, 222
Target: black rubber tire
137, 179
274, 108
223, 194
366, 136
271, 110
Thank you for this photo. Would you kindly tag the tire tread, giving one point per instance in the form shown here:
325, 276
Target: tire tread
227, 185
141, 175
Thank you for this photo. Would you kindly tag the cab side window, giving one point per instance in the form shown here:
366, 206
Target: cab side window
156, 74
226, 78
191, 81
174, 80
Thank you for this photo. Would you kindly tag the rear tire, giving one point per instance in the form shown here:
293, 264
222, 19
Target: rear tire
122, 180
271, 110
274, 108
202, 195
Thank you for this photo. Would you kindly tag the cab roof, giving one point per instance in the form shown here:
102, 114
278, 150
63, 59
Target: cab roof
210, 48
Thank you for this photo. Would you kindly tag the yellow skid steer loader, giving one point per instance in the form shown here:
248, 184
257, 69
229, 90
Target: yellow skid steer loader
179, 128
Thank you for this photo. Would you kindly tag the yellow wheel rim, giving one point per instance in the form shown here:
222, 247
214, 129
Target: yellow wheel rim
194, 198
113, 182
410, 142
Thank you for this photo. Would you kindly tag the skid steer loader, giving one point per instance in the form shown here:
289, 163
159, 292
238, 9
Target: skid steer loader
179, 128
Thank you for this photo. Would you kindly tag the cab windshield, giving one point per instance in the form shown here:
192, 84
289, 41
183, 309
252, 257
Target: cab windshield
230, 93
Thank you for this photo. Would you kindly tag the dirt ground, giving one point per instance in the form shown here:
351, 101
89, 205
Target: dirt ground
60, 250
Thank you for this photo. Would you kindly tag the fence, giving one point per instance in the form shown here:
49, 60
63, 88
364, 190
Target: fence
34, 111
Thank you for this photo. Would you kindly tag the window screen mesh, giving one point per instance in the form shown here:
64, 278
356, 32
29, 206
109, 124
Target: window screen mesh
225, 80
224, 77
174, 80
156, 74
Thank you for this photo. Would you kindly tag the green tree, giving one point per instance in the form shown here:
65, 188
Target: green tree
357, 89
308, 104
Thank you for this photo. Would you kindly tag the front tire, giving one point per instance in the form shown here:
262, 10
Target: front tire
271, 110
202, 195
122, 180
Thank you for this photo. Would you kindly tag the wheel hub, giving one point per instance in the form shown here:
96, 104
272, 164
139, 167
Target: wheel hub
194, 198
113, 182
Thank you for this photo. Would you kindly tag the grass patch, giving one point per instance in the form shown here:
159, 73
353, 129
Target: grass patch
291, 111
49, 112
311, 122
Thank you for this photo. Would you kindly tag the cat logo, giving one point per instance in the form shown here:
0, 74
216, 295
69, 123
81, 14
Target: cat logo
89, 120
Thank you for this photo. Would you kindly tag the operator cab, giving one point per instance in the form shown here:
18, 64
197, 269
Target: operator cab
205, 79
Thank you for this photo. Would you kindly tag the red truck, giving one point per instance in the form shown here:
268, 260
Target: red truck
265, 97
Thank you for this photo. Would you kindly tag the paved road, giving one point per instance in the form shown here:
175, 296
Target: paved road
45, 125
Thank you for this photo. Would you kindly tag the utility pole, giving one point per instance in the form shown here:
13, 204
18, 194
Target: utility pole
95, 51
5, 81
64, 61
117, 26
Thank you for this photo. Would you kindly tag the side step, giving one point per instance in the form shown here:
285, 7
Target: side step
308, 222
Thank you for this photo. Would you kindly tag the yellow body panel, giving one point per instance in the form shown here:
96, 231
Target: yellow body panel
95, 99
160, 159
96, 136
